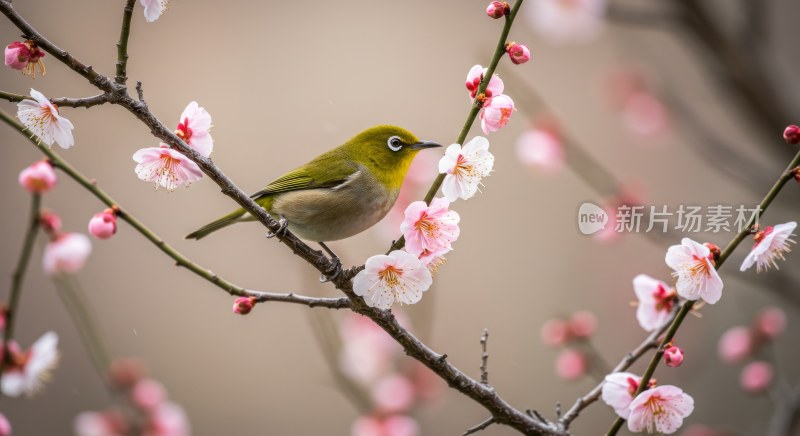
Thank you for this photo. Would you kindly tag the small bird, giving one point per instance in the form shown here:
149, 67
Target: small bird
339, 193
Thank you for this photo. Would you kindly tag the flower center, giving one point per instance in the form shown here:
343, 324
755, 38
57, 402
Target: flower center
763, 234
427, 226
391, 275
699, 267
184, 131
665, 299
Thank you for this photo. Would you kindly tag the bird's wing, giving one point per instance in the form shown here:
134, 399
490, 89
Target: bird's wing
329, 174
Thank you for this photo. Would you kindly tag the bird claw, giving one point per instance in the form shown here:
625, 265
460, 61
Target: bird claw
336, 269
284, 225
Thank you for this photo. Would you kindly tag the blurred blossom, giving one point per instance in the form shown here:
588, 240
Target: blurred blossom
103, 225
126, 372
542, 149
735, 344
618, 390
147, 394
5, 426
772, 244
582, 324
110, 423
166, 167
427, 385
27, 371
771, 322
465, 167
645, 115
571, 365
39, 177
193, 129
66, 253
50, 223
153, 9
168, 419
398, 276
393, 394
656, 300
555, 332
474, 78
660, 409
42, 119
367, 352
430, 227
396, 425
25, 57
694, 268
756, 377
563, 21
496, 112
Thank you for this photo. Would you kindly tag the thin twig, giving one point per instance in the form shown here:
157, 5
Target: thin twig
122, 45
84, 102
479, 427
484, 357
18, 277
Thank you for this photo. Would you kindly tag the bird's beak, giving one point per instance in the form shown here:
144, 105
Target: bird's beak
424, 144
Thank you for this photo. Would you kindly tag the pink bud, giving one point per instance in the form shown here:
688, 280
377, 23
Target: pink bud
103, 225
756, 377
243, 305
148, 394
673, 356
555, 332
792, 134
571, 365
497, 9
39, 177
735, 344
771, 322
17, 55
518, 53
5, 426
582, 324
50, 222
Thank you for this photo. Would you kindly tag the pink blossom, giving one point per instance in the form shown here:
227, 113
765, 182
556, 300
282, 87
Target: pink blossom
166, 167
98, 424
147, 394
772, 244
5, 426
735, 344
243, 305
771, 322
28, 370
66, 253
465, 167
656, 300
50, 222
791, 134
193, 129
582, 324
756, 377
39, 177
430, 228
368, 351
562, 21
153, 9
168, 419
541, 149
25, 57
694, 268
393, 394
518, 53
103, 225
673, 356
474, 78
660, 409
555, 332
495, 113
571, 365
645, 115
497, 9
43, 120
618, 391
395, 425
398, 276
433, 259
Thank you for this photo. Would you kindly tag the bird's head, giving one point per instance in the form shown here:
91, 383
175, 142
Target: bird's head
387, 151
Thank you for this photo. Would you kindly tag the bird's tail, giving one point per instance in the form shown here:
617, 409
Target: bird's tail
212, 227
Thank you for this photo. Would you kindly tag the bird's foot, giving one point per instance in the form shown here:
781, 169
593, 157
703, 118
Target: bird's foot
284, 225
335, 268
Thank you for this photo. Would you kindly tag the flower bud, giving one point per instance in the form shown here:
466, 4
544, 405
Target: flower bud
125, 372
792, 134
103, 225
243, 305
715, 251
673, 356
736, 344
148, 394
497, 9
771, 322
571, 365
756, 377
582, 324
25, 57
518, 53
555, 332
39, 177
50, 223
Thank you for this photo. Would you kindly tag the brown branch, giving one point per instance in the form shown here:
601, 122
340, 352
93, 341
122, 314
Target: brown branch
84, 102
479, 427
484, 357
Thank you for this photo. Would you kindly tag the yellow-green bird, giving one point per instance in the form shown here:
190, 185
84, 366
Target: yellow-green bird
339, 193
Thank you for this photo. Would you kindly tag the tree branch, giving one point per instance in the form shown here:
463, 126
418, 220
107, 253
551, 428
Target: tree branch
85, 102
122, 45
484, 357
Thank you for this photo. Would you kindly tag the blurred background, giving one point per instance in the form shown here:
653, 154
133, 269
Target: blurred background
654, 103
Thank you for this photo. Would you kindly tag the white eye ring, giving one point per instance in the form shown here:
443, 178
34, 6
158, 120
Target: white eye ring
394, 143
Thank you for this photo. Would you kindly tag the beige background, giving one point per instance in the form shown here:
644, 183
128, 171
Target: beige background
285, 81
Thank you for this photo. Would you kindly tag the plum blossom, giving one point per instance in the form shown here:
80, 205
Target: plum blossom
791, 134
735, 344
394, 425
430, 229
571, 364
756, 377
694, 268
465, 167
474, 78
153, 9
618, 391
398, 276
367, 351
168, 419
393, 394
25, 57
42, 118
495, 113
562, 21
541, 149
772, 244
660, 409
193, 129
656, 300
497, 9
28, 370
166, 167
66, 253
39, 177
770, 322
103, 225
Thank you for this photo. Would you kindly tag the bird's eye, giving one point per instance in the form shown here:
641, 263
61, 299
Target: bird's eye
394, 143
